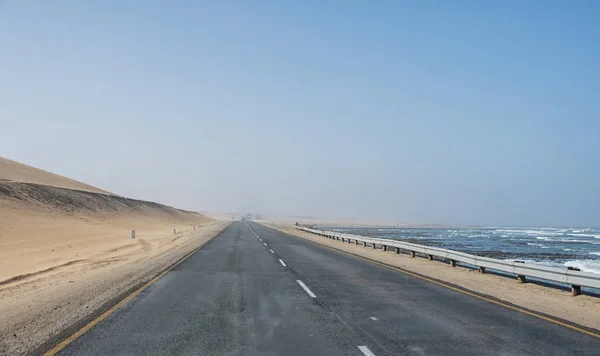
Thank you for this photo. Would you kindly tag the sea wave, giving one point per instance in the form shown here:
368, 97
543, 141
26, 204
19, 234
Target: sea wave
586, 235
585, 265
579, 241
534, 244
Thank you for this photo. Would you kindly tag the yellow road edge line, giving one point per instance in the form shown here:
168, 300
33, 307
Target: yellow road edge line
64, 343
399, 269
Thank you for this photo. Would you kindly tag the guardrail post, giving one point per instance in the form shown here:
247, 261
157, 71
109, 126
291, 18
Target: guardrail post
521, 278
364, 244
575, 290
356, 242
397, 250
132, 234
384, 248
481, 269
452, 263
343, 239
430, 257
413, 254
374, 247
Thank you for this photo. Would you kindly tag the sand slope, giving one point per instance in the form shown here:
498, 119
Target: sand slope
43, 226
19, 172
66, 251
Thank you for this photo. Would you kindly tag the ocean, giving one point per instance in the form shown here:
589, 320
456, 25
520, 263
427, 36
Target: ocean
556, 247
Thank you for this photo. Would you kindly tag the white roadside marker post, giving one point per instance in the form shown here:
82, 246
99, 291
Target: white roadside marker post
132, 234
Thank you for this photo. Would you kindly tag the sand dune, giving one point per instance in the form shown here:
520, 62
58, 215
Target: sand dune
66, 251
19, 172
45, 226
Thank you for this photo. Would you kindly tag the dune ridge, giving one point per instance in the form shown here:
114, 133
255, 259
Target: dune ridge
66, 251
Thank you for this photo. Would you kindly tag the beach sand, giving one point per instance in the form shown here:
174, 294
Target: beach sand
583, 310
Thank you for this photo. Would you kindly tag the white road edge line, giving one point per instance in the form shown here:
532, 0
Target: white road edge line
271, 251
282, 263
264, 243
306, 288
365, 350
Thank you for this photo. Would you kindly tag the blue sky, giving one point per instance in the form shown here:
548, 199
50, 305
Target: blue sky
463, 112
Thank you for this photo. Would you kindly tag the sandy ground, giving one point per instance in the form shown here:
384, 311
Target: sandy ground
583, 310
66, 253
36, 238
19, 172
89, 270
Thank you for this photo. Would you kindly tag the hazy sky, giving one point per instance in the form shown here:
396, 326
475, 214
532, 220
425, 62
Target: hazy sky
466, 112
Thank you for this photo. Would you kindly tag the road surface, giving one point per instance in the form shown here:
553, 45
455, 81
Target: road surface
257, 291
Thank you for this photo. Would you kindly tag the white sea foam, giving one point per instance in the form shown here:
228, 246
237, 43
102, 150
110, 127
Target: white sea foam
580, 241
544, 238
534, 244
586, 235
585, 265
536, 232
595, 253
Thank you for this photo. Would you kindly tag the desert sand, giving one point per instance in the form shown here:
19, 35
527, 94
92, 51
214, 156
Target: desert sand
583, 310
66, 252
19, 172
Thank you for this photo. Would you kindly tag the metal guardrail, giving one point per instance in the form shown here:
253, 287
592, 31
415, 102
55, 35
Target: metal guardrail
575, 278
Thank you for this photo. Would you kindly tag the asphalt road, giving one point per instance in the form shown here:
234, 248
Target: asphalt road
256, 291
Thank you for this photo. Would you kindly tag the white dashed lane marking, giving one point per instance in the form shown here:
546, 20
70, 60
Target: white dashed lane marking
282, 263
306, 288
365, 350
